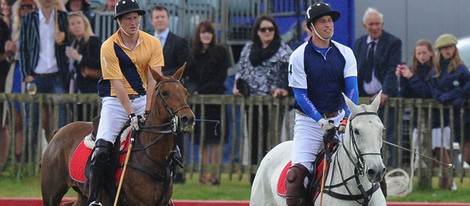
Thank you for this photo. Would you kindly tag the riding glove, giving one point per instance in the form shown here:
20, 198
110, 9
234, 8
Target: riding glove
145, 116
134, 121
325, 124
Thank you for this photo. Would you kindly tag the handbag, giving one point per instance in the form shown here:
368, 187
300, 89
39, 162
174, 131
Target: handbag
88, 72
243, 87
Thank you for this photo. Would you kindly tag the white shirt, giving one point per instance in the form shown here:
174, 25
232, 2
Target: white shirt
47, 62
162, 36
374, 86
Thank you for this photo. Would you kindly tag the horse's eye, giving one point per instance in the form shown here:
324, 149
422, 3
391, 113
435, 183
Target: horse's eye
165, 93
356, 132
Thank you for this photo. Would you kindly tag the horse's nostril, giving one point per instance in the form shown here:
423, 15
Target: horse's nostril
384, 170
371, 173
184, 119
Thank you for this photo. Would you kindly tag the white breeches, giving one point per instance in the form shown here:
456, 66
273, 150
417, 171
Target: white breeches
308, 139
114, 116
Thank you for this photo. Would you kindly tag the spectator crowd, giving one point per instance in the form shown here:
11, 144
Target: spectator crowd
53, 46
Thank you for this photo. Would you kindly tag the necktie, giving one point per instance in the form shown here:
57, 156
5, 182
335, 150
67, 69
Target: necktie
370, 62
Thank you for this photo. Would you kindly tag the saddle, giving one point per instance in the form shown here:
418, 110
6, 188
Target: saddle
314, 180
80, 160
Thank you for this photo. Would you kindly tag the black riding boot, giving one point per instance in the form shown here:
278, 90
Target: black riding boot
295, 190
100, 165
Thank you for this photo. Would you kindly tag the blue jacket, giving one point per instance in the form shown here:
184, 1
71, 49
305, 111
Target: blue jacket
417, 86
451, 87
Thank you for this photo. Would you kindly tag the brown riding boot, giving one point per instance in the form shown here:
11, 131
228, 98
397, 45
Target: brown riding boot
295, 190
383, 187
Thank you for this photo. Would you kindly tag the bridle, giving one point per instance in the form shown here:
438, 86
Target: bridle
172, 127
358, 169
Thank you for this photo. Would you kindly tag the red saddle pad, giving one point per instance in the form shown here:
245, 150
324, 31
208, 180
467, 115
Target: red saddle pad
78, 162
80, 157
281, 183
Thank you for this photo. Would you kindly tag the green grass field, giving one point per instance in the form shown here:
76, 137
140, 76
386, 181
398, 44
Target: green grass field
231, 190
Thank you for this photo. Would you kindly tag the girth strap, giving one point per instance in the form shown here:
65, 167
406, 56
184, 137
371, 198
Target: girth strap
368, 193
165, 178
147, 171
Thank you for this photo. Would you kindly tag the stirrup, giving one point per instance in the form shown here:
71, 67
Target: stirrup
95, 203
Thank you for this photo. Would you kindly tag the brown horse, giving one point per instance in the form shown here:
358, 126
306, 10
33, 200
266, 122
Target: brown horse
147, 180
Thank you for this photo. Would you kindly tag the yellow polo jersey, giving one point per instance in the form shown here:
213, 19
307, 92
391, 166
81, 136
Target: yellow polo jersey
120, 62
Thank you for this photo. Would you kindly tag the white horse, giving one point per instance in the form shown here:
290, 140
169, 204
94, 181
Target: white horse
356, 162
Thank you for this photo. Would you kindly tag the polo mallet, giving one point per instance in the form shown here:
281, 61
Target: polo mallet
129, 150
328, 137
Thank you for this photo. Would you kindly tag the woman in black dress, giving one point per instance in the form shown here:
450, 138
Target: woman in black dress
205, 75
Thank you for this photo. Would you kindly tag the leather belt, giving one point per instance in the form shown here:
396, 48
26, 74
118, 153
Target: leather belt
330, 115
47, 75
324, 115
133, 96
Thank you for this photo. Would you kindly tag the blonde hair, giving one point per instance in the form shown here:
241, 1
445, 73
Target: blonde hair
59, 5
15, 10
455, 61
88, 31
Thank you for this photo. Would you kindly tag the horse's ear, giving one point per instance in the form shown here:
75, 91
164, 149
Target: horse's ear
376, 103
156, 75
351, 105
178, 74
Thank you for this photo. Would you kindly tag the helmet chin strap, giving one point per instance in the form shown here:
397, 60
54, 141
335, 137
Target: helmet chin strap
127, 34
318, 35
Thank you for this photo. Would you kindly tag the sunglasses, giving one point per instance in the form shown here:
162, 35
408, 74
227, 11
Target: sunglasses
75, 13
26, 7
265, 29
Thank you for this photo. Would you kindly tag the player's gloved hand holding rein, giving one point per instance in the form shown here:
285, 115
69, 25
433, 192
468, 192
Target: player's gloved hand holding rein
135, 120
326, 124
145, 116
342, 125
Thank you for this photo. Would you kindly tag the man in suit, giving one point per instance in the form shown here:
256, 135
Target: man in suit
378, 53
42, 56
380, 74
175, 48
175, 54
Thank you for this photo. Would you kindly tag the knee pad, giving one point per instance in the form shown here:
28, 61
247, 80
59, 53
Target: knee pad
295, 190
100, 160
